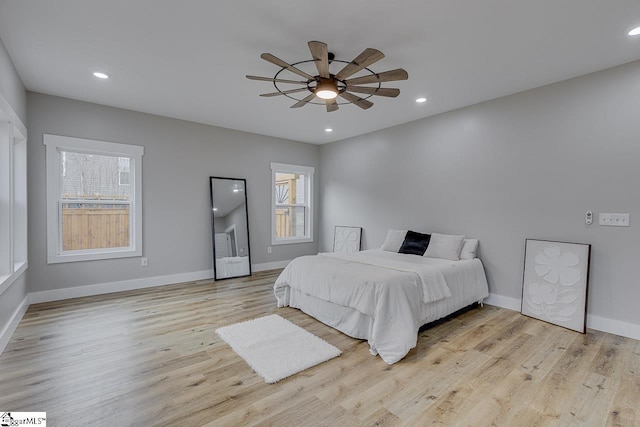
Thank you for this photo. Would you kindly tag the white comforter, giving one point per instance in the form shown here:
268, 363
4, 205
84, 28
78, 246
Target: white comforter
393, 289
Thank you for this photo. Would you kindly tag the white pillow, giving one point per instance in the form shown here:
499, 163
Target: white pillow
469, 249
446, 246
394, 240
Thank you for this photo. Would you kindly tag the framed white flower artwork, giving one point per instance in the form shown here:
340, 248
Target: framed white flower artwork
556, 282
347, 239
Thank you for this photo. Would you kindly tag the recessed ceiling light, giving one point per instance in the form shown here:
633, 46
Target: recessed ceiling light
634, 32
328, 130
421, 100
100, 75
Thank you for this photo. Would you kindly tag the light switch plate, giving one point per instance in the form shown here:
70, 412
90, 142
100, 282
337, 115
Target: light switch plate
614, 219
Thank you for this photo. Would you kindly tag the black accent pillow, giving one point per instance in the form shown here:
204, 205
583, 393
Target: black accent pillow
415, 243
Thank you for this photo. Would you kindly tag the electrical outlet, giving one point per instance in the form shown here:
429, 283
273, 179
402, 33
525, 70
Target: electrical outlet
268, 249
144, 262
588, 219
614, 219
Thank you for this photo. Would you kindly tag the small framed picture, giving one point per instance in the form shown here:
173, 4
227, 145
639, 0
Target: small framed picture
556, 282
347, 239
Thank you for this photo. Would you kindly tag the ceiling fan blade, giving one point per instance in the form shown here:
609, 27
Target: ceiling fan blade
366, 58
271, 79
320, 55
285, 92
386, 76
380, 91
280, 63
303, 102
362, 103
332, 105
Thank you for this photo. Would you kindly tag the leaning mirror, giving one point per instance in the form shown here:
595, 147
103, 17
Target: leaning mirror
230, 228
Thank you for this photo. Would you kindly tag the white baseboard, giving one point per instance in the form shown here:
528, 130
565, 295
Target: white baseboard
10, 327
270, 265
604, 324
616, 327
611, 326
125, 285
129, 285
504, 302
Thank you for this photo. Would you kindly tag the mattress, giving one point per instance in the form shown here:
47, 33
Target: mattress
380, 296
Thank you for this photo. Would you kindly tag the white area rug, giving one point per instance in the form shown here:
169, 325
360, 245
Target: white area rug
276, 348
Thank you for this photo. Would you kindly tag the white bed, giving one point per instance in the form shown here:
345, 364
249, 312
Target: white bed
381, 296
232, 266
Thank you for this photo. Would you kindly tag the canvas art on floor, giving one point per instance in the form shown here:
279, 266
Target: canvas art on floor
556, 278
347, 239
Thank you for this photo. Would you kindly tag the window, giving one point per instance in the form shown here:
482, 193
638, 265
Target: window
94, 199
13, 196
291, 204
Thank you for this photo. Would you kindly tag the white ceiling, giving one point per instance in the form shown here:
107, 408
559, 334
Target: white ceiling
188, 59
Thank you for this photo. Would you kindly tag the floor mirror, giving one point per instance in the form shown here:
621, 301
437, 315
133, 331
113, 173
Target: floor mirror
230, 228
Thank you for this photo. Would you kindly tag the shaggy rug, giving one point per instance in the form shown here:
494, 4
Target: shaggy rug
276, 348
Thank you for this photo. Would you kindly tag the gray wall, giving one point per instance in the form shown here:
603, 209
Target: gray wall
219, 224
11, 86
237, 217
178, 160
525, 166
13, 92
528, 165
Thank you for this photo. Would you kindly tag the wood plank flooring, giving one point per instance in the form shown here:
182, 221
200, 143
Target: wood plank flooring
152, 357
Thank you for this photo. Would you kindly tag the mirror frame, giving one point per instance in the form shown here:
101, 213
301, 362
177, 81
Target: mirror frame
213, 228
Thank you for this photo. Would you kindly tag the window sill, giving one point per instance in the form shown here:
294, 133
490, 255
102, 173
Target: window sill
92, 256
7, 279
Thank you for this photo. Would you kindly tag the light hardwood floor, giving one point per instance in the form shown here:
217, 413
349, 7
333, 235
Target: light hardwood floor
152, 357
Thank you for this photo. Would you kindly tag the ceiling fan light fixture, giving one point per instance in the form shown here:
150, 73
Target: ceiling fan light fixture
326, 89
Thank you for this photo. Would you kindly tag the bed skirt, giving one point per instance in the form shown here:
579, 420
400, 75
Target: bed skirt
358, 325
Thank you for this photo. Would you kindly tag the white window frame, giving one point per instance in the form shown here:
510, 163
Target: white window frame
308, 172
13, 191
54, 144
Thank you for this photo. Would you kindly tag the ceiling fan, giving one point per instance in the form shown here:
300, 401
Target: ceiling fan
327, 86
